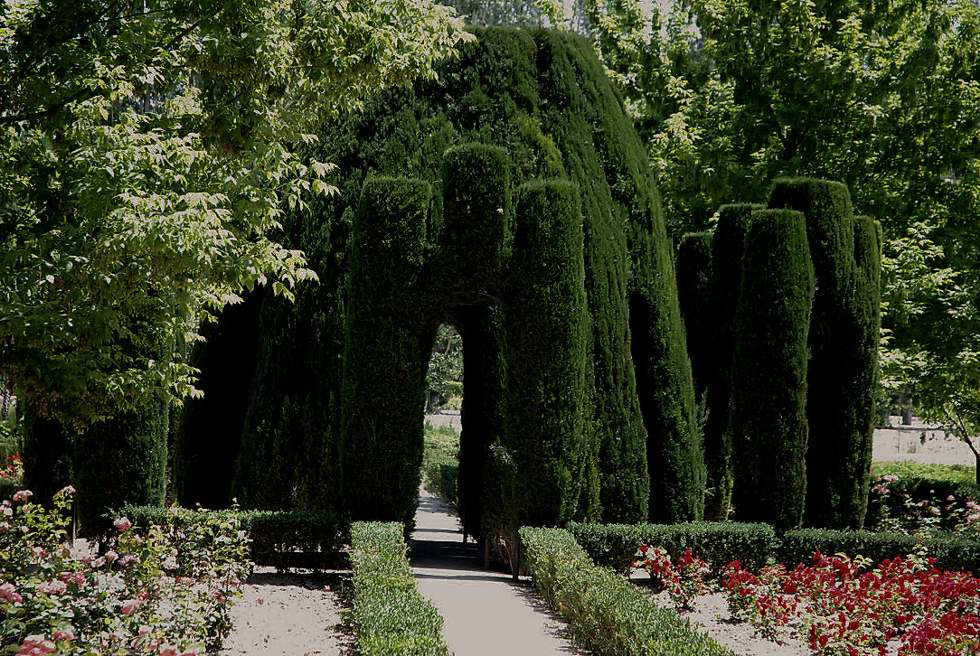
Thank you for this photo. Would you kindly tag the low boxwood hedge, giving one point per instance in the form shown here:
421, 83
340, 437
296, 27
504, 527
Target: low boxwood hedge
281, 539
952, 552
615, 545
390, 616
606, 613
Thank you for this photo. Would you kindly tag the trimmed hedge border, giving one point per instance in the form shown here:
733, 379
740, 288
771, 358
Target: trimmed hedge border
390, 616
607, 614
281, 539
614, 545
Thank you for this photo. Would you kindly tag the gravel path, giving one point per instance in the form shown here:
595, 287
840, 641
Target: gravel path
292, 614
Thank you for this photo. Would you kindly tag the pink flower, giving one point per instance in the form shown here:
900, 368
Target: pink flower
168, 651
35, 645
129, 606
9, 594
111, 556
64, 635
22, 496
122, 524
127, 560
53, 587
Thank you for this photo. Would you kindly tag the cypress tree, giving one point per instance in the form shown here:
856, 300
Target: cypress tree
547, 327
769, 374
386, 351
727, 244
209, 429
122, 460
831, 407
694, 279
864, 340
47, 455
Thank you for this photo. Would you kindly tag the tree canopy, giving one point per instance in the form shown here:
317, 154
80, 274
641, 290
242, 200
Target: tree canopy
149, 151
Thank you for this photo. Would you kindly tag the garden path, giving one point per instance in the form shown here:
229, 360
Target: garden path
485, 612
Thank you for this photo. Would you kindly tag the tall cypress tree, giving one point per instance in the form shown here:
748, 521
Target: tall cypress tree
864, 339
694, 279
727, 245
769, 374
831, 405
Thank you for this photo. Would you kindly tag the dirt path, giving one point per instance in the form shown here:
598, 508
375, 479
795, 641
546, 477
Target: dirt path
485, 612
298, 615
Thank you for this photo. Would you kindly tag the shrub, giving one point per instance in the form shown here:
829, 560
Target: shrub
768, 421
167, 588
441, 451
281, 539
390, 616
843, 354
727, 247
921, 504
952, 552
615, 545
694, 278
936, 473
606, 613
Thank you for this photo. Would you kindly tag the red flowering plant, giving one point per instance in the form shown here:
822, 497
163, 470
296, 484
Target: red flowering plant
13, 470
843, 607
684, 580
131, 599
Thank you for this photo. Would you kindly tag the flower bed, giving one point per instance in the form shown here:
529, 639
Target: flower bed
166, 591
839, 606
390, 617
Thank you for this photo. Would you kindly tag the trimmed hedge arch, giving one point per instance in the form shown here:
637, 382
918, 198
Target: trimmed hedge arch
426, 200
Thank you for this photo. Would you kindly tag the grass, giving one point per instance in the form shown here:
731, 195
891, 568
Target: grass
441, 449
948, 473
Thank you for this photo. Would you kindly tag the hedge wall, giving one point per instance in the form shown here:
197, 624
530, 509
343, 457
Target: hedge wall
47, 455
769, 373
531, 105
727, 245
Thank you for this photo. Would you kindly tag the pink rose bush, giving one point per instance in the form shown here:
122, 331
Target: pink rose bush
166, 590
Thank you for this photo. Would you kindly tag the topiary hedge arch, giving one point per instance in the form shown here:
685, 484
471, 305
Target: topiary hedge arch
512, 198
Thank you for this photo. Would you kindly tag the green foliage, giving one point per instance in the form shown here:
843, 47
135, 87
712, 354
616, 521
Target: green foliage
284, 540
444, 378
769, 375
694, 280
547, 329
121, 461
615, 545
607, 614
440, 454
843, 351
149, 154
926, 471
728, 94
390, 616
48, 452
952, 552
727, 246
209, 429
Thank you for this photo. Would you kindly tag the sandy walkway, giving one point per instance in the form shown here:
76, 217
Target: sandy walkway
485, 612
298, 615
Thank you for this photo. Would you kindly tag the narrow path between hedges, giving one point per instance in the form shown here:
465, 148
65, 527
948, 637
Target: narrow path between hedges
485, 612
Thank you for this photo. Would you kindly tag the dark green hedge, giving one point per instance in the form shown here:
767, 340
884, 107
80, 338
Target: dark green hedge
606, 613
47, 455
384, 367
547, 391
834, 460
694, 282
615, 545
121, 461
390, 616
951, 551
285, 540
768, 420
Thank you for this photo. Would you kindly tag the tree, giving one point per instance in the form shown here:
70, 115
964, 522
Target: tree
150, 150
879, 95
